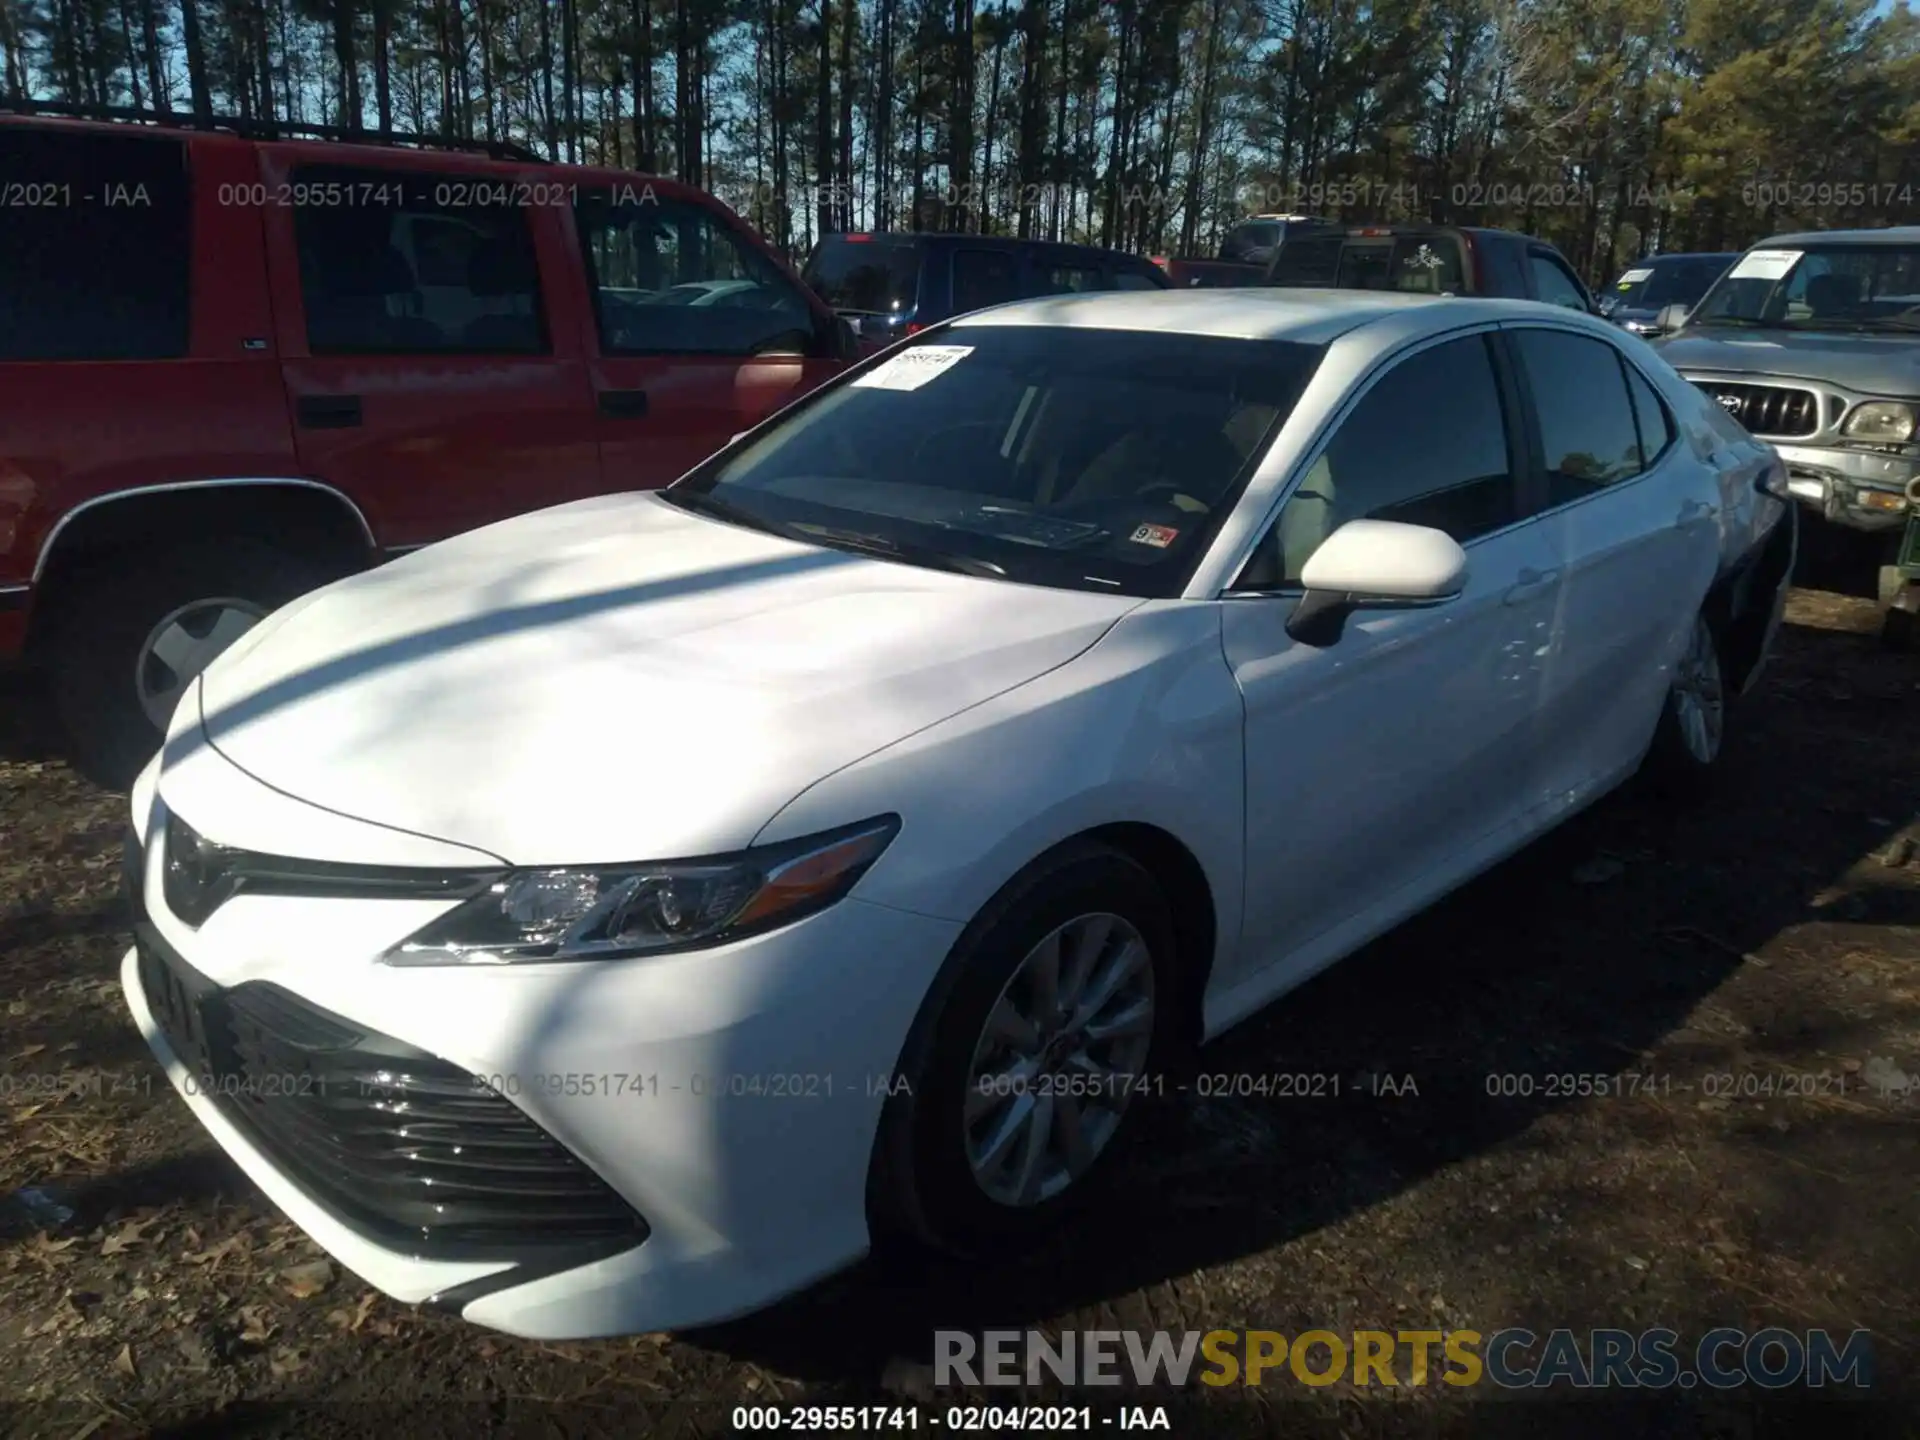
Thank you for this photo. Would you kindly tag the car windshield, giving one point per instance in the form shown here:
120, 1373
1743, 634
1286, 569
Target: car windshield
1420, 264
1656, 284
1065, 456
1820, 287
865, 274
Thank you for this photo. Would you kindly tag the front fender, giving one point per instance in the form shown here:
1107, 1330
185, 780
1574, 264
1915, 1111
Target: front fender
1146, 727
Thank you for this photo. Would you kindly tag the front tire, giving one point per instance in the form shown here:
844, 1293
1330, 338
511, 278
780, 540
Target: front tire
132, 634
1685, 754
1026, 1069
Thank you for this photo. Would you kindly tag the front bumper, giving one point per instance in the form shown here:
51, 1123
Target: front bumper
730, 1097
1858, 489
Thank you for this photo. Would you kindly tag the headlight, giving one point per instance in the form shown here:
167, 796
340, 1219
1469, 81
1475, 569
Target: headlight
619, 911
1884, 422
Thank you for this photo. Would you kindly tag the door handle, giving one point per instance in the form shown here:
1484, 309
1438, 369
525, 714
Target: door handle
328, 412
1530, 584
623, 404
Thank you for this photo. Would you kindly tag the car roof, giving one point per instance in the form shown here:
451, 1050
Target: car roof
1306, 316
1885, 235
1684, 255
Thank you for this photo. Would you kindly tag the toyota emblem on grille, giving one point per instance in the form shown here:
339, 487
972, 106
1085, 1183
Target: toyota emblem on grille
1730, 401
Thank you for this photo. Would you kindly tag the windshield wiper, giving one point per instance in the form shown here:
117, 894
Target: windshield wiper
703, 503
880, 546
1741, 320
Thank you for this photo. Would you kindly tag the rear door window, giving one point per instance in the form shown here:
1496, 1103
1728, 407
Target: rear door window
407, 263
94, 247
1587, 424
867, 275
984, 277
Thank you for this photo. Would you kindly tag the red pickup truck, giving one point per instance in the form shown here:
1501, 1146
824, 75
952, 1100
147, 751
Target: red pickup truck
235, 366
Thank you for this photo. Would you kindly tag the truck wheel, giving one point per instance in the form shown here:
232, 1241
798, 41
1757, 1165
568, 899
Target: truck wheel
133, 633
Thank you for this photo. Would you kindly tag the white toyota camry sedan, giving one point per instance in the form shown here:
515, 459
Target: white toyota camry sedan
614, 918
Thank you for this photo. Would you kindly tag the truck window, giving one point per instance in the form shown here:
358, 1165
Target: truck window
94, 249
411, 263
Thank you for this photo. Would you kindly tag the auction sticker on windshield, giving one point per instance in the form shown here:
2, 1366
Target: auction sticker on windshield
913, 368
1764, 264
1633, 277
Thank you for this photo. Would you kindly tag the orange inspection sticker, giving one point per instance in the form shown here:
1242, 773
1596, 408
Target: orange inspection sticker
1158, 536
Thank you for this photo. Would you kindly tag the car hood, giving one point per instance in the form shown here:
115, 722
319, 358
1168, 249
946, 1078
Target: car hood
1868, 364
616, 679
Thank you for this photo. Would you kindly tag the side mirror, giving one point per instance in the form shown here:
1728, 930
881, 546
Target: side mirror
1670, 319
846, 339
1368, 564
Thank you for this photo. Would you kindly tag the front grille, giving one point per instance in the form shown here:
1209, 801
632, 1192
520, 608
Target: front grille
1768, 409
403, 1147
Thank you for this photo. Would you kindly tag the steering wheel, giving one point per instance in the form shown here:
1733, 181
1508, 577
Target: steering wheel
1174, 495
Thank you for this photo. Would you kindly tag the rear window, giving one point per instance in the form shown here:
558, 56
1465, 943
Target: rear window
94, 248
870, 277
1419, 264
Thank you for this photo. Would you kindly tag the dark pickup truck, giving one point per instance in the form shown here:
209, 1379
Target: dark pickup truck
1430, 260
1211, 274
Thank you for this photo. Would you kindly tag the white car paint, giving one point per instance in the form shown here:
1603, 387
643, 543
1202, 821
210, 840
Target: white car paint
616, 681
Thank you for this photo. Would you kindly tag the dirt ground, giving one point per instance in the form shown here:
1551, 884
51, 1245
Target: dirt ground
1719, 953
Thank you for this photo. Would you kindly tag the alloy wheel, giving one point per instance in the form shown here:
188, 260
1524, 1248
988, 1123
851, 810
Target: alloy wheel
1057, 1060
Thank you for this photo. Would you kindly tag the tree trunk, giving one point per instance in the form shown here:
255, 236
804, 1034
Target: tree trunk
1202, 133
849, 22
782, 171
149, 53
960, 117
1117, 140
883, 184
190, 37
1033, 113
343, 53
1059, 163
682, 94
126, 39
569, 79
262, 53
824, 197
483, 22
546, 80
993, 116
643, 154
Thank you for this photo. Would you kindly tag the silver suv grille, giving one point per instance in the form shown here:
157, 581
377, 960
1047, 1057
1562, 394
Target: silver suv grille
1772, 410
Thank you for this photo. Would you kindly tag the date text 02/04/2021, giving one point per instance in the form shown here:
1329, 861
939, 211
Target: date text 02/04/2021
958, 1419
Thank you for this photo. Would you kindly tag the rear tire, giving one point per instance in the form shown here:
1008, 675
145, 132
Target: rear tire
123, 618
935, 1177
1684, 758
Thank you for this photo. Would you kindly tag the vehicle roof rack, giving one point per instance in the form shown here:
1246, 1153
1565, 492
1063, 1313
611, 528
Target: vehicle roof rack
271, 129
